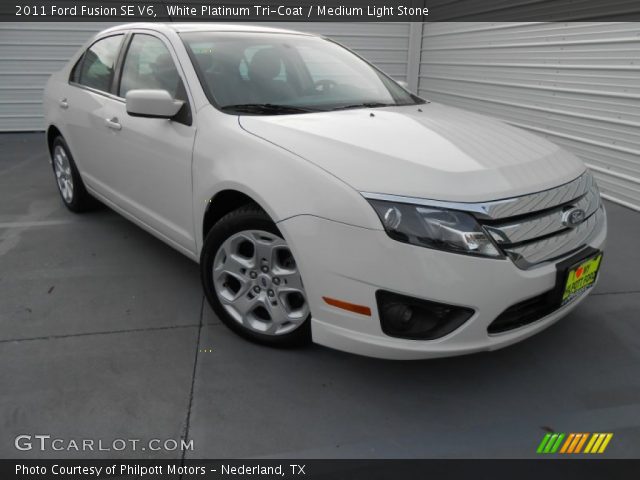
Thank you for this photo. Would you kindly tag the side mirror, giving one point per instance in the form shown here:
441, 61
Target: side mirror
152, 104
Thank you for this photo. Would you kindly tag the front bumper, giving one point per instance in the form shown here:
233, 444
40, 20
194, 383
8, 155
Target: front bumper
351, 263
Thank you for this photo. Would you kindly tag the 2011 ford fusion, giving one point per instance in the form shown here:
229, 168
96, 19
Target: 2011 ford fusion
322, 199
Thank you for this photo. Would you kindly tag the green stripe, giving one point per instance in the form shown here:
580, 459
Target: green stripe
550, 443
543, 443
558, 442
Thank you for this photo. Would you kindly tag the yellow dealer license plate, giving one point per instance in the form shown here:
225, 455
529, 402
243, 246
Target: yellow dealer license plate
581, 277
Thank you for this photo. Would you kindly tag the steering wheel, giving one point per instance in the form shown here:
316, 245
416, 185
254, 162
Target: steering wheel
325, 85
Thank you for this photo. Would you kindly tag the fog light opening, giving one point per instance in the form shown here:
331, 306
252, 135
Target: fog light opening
402, 316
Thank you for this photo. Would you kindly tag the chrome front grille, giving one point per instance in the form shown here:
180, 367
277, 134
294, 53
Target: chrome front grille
530, 229
536, 202
556, 246
542, 224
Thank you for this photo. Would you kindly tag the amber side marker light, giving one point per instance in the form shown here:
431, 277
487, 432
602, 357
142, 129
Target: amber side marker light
351, 307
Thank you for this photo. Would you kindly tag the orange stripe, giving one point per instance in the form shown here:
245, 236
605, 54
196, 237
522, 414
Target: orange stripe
567, 442
352, 307
584, 439
574, 443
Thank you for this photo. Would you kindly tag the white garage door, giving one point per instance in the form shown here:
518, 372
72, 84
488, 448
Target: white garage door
30, 52
576, 83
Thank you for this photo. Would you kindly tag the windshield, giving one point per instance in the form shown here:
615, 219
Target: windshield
287, 73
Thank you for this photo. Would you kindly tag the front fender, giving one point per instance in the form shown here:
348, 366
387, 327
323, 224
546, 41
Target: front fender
284, 184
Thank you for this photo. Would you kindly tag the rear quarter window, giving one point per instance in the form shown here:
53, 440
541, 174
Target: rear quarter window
96, 68
75, 71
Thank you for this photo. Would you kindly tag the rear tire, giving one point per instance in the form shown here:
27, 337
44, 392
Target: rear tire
252, 281
70, 186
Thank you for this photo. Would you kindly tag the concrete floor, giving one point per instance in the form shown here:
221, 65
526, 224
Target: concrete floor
103, 330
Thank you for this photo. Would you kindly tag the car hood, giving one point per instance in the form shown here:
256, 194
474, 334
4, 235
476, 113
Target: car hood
427, 151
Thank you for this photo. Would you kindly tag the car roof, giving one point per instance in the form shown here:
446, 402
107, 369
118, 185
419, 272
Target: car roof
201, 27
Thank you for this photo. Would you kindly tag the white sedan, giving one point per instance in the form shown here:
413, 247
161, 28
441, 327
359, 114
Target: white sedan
322, 199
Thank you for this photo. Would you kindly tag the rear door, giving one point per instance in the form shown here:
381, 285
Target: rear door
149, 159
83, 106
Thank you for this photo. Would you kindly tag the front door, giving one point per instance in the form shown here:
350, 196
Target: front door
150, 158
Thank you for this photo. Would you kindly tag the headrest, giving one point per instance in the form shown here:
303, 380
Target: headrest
265, 64
163, 62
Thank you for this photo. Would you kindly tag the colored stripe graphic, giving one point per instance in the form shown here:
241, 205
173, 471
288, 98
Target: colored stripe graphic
551, 443
598, 443
594, 437
556, 445
567, 443
581, 443
606, 441
572, 443
543, 443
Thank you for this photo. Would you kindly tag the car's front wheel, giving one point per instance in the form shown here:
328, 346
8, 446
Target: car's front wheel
252, 281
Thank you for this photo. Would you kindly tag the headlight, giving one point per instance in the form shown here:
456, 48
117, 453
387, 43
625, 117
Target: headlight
448, 230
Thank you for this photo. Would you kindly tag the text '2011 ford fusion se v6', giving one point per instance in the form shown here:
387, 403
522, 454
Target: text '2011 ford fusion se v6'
322, 199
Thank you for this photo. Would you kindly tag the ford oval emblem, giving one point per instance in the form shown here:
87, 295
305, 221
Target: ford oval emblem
573, 217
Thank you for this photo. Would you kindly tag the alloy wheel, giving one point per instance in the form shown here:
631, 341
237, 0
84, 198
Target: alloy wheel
258, 283
62, 169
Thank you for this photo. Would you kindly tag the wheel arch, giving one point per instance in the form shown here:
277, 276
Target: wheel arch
223, 202
52, 133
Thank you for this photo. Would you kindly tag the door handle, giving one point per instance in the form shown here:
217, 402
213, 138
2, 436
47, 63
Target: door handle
63, 103
112, 123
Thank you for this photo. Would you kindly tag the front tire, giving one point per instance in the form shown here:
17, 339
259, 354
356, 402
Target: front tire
70, 186
252, 282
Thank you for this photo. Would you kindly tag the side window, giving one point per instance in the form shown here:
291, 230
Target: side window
75, 71
148, 65
99, 61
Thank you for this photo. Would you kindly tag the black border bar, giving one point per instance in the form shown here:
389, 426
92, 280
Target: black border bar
319, 10
531, 469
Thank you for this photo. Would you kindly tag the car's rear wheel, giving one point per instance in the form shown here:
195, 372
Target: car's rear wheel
252, 281
72, 190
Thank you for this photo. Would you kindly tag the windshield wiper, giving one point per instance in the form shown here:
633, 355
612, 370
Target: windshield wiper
266, 108
365, 105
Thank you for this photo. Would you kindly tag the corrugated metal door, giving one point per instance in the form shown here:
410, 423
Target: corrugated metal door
30, 52
576, 83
